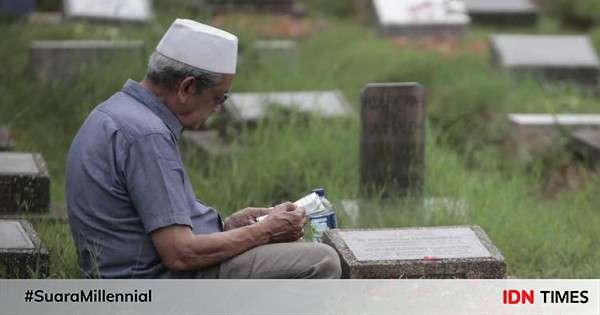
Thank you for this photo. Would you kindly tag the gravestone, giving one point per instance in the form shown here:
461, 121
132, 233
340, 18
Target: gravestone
252, 107
16, 8
421, 18
277, 50
51, 61
205, 141
586, 144
413, 253
7, 142
52, 18
536, 135
507, 12
24, 183
392, 145
561, 58
108, 10
22, 253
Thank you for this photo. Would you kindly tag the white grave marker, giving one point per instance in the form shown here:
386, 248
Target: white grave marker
115, 10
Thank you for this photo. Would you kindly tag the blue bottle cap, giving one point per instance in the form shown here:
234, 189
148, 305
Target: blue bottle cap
319, 191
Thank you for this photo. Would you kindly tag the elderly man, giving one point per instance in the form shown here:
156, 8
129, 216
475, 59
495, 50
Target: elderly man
132, 209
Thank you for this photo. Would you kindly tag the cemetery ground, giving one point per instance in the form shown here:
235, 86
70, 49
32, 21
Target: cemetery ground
542, 214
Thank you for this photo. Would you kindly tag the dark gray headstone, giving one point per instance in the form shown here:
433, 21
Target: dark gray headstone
535, 135
421, 18
7, 142
24, 183
392, 147
563, 58
22, 254
17, 7
252, 107
59, 60
435, 252
586, 143
510, 12
108, 10
206, 141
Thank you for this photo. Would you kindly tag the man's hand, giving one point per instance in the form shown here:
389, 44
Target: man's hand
247, 216
285, 223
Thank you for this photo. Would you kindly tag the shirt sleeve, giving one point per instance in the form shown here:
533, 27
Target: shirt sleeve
155, 182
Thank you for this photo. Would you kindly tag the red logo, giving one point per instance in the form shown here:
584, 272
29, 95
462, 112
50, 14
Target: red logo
517, 297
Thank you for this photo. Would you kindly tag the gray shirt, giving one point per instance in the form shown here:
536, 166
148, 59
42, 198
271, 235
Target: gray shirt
124, 180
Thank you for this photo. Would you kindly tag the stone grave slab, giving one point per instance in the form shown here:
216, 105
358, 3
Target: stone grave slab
508, 12
7, 142
432, 252
536, 135
392, 145
562, 58
17, 8
60, 60
108, 10
277, 50
586, 143
52, 18
22, 254
252, 107
421, 18
24, 183
206, 141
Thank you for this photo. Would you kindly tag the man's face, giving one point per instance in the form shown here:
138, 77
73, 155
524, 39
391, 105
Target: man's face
196, 108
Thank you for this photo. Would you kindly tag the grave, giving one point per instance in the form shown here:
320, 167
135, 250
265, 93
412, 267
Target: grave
51, 61
7, 142
421, 18
252, 107
22, 254
536, 135
392, 145
206, 141
52, 18
415, 253
281, 50
507, 12
16, 8
273, 6
558, 58
108, 10
586, 144
24, 183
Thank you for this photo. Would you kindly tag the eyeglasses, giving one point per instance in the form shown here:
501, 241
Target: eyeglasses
219, 101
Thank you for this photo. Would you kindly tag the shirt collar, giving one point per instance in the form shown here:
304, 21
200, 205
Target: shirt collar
150, 100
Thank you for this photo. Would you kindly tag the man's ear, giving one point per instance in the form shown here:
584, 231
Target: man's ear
186, 88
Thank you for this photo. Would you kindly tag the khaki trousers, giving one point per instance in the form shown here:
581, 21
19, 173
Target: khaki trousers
296, 260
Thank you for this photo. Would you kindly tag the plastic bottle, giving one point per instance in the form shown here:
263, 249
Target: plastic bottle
323, 219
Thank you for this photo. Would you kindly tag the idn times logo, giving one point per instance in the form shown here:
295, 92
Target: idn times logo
513, 296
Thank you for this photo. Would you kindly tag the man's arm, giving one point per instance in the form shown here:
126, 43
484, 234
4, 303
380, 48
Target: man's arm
181, 250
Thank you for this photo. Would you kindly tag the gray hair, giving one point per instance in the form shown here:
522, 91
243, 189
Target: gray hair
167, 73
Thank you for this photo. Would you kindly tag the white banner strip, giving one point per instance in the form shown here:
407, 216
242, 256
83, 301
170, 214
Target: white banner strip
443, 297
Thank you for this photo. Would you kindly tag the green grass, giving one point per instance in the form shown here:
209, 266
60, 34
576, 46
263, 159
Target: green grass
283, 158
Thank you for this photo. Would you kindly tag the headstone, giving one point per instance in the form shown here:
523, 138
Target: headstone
421, 18
24, 183
206, 141
252, 107
7, 142
46, 18
586, 143
17, 7
508, 12
536, 135
275, 6
392, 146
108, 10
277, 50
22, 253
413, 253
562, 58
51, 61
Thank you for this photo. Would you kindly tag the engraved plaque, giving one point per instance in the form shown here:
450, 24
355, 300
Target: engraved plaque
13, 236
409, 244
17, 163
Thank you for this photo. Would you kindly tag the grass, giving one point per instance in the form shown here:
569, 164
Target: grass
280, 159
